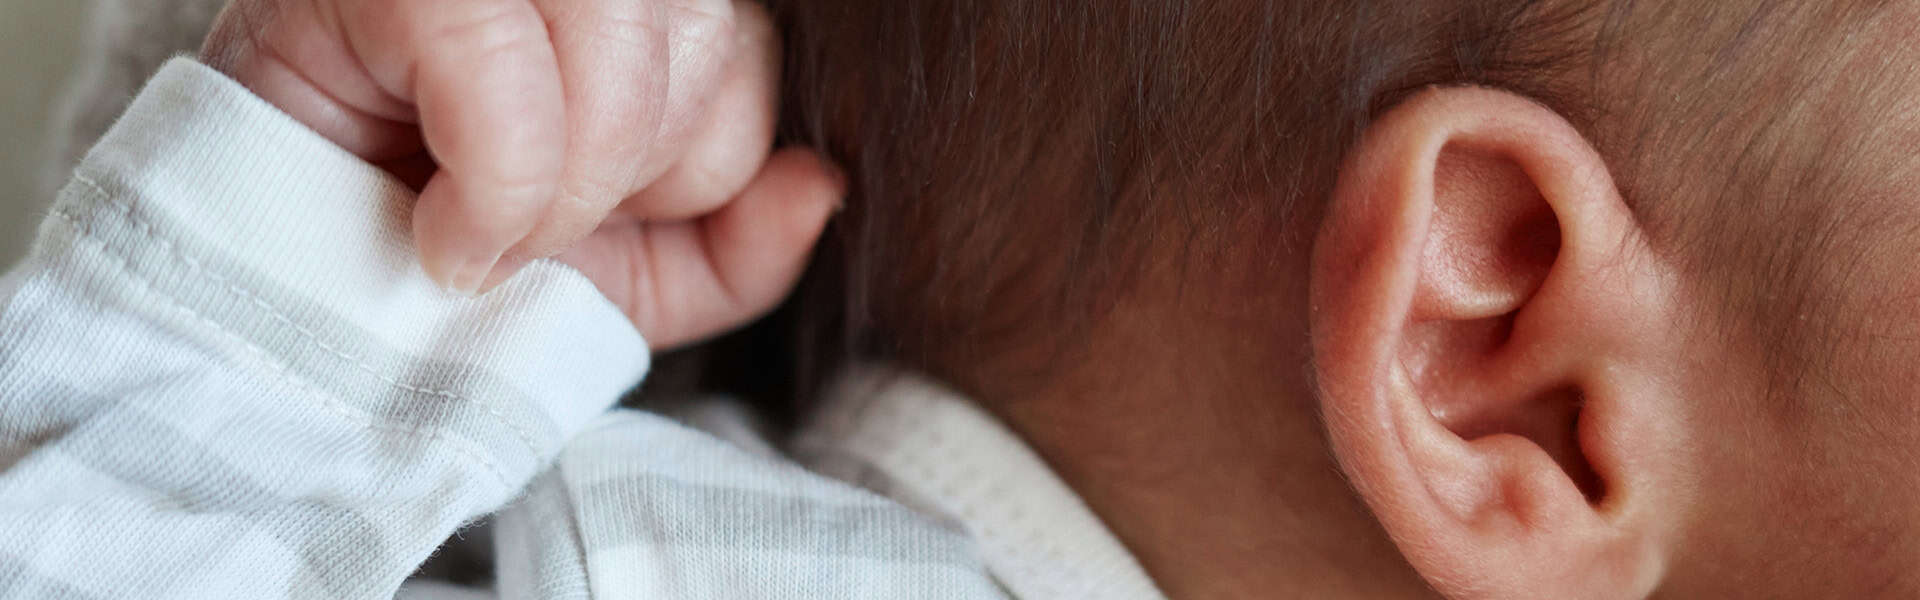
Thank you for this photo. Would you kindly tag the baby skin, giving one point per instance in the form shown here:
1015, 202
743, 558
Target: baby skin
627, 138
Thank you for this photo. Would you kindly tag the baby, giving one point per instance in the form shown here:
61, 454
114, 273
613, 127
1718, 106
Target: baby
1509, 299
1527, 299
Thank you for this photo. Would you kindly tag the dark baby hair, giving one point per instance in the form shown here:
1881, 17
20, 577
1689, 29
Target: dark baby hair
1016, 164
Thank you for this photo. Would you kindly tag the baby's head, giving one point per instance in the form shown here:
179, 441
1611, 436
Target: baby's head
1586, 296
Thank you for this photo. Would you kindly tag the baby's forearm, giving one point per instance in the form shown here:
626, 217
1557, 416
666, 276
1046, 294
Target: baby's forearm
223, 373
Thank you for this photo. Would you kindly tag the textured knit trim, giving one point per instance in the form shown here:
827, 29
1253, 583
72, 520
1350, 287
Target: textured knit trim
930, 448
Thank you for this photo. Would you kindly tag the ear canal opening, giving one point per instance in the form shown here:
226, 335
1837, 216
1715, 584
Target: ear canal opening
1552, 421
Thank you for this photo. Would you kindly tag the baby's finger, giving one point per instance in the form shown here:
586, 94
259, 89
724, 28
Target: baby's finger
634, 72
682, 282
327, 89
732, 139
484, 78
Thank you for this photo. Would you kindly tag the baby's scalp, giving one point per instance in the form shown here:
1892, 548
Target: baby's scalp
1017, 163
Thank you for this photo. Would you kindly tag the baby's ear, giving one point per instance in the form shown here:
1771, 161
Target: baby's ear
1491, 336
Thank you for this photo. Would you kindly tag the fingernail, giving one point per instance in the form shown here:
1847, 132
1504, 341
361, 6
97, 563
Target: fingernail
468, 278
505, 269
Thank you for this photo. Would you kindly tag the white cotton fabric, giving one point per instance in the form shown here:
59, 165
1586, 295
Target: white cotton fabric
923, 445
222, 374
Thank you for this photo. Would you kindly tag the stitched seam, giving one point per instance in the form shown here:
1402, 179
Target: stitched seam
82, 233
153, 233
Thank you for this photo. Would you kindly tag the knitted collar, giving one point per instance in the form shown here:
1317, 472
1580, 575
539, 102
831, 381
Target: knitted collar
920, 443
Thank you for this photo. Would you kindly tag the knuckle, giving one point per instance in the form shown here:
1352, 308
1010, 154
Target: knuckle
508, 181
590, 195
577, 210
527, 187
491, 29
523, 181
706, 28
634, 29
549, 240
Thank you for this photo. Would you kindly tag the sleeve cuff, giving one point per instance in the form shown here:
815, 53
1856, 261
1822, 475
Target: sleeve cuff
274, 233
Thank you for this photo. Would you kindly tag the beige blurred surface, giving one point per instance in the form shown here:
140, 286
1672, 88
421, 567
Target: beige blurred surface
38, 39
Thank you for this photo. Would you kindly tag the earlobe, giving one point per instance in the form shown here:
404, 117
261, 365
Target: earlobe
1487, 338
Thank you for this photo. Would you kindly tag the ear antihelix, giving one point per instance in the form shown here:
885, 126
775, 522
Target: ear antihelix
1550, 420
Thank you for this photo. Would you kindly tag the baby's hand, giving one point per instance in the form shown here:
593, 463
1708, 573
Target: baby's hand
637, 130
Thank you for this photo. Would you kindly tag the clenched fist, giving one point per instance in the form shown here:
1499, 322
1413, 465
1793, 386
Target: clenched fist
632, 135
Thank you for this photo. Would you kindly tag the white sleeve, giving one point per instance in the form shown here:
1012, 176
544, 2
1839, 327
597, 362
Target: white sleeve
224, 374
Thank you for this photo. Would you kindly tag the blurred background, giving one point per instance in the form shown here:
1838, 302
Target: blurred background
39, 40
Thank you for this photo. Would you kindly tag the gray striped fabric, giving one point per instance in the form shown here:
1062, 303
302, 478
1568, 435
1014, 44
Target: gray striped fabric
223, 375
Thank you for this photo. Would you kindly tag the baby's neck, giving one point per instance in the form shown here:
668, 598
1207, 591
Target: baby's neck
1221, 489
